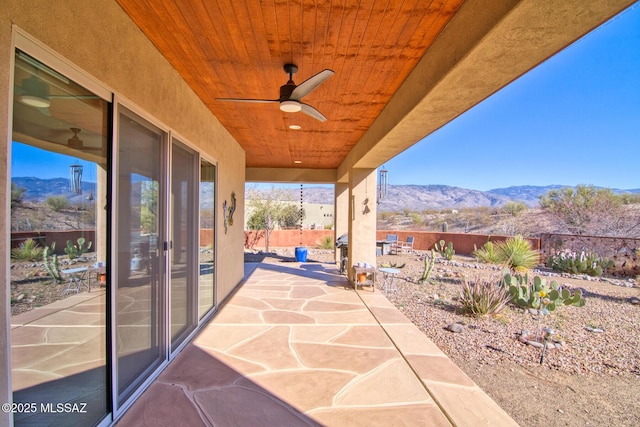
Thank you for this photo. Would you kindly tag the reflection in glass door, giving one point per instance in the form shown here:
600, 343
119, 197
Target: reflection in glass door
59, 179
140, 343
183, 215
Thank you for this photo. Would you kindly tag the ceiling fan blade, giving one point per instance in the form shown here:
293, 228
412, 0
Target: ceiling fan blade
260, 101
310, 84
310, 111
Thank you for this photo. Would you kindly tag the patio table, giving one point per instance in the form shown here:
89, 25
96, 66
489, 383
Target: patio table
389, 279
77, 279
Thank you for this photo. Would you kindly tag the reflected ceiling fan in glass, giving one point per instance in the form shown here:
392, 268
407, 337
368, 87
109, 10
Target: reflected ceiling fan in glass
75, 141
35, 92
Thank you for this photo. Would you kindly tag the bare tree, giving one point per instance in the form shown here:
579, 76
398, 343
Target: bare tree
266, 208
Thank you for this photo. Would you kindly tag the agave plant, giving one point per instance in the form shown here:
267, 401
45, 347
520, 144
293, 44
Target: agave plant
483, 297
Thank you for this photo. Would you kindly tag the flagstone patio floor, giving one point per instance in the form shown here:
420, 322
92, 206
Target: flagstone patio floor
296, 346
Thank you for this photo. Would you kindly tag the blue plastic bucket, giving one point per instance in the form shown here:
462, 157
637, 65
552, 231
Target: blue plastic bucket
301, 254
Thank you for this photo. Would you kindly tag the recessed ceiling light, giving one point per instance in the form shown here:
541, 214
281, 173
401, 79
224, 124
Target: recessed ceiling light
295, 127
297, 162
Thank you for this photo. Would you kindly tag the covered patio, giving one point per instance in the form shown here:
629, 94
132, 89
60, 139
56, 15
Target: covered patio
147, 87
296, 345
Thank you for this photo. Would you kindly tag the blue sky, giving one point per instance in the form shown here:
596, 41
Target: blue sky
31, 161
575, 119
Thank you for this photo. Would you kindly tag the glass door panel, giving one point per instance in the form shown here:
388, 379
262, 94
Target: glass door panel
206, 277
183, 242
140, 291
59, 182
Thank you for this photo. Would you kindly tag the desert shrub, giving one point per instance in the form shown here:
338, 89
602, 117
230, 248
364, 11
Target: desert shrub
326, 243
487, 253
517, 254
29, 250
579, 263
384, 215
483, 297
586, 209
514, 208
17, 195
415, 217
57, 203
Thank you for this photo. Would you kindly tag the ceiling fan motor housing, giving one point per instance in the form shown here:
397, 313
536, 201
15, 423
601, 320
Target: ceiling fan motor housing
286, 90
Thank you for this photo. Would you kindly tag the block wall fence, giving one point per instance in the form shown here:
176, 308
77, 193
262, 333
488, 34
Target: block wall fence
463, 243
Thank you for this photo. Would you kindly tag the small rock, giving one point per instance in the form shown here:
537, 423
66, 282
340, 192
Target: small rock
535, 344
592, 329
455, 327
561, 411
20, 298
634, 300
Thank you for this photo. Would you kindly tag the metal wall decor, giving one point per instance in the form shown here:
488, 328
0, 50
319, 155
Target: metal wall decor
228, 211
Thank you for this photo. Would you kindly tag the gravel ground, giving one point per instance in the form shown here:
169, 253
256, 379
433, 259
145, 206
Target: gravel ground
31, 286
592, 379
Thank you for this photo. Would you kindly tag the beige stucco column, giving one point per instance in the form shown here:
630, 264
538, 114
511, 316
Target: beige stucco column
340, 214
362, 217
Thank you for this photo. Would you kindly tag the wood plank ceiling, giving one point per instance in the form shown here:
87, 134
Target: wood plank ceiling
237, 49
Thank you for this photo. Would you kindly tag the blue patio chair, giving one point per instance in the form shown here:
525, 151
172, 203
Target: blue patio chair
393, 240
406, 246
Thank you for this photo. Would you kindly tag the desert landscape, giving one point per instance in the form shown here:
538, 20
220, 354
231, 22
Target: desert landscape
593, 378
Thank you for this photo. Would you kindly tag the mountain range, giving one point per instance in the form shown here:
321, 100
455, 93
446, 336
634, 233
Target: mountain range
422, 197
38, 190
398, 197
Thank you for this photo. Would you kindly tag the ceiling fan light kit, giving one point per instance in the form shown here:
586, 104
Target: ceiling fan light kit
290, 106
291, 94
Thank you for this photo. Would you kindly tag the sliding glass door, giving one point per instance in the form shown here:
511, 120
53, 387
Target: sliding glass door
94, 320
206, 276
140, 313
183, 250
59, 193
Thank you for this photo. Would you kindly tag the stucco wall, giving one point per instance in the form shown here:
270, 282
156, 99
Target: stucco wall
98, 38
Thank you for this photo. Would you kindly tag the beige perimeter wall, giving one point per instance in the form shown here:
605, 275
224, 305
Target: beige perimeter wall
99, 39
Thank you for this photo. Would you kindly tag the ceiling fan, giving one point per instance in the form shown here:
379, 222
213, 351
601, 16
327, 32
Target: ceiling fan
291, 94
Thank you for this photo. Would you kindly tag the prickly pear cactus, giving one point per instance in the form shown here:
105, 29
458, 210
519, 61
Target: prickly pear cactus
539, 294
